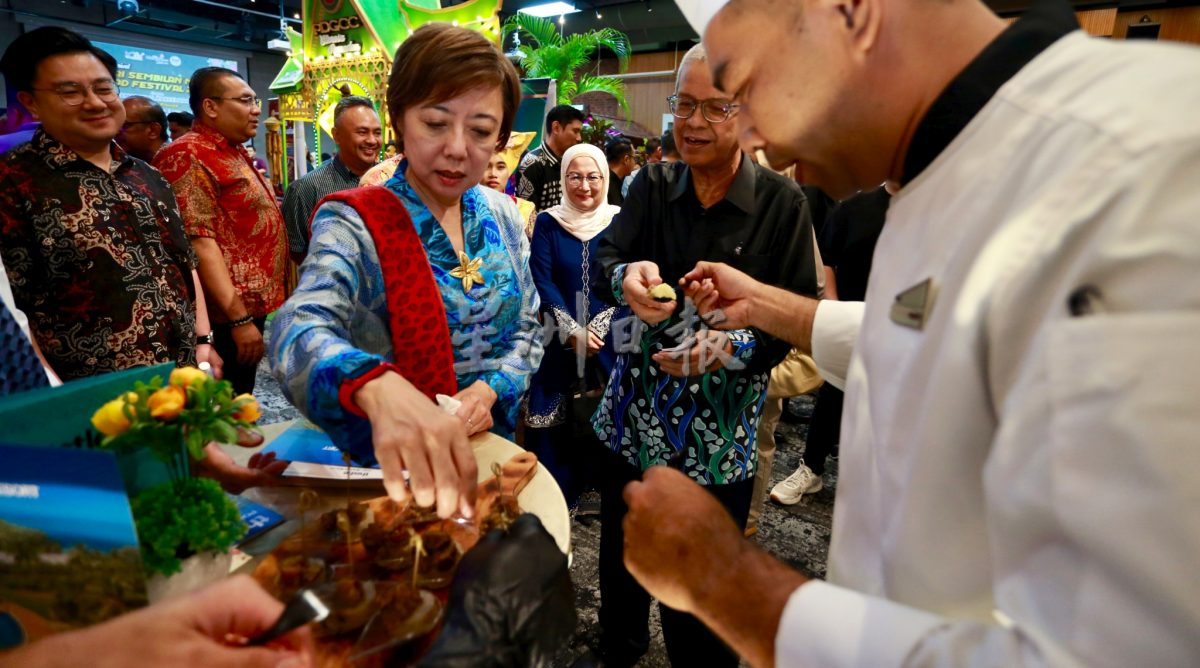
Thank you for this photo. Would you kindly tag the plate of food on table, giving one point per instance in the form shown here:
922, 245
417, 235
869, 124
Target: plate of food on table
384, 568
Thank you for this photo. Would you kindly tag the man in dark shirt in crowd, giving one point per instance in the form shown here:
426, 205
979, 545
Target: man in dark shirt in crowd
619, 153
696, 408
145, 128
358, 135
179, 122
538, 177
654, 153
670, 152
92, 239
257, 161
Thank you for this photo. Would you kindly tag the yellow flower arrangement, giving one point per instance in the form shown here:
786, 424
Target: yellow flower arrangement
247, 410
111, 419
186, 376
192, 408
167, 403
175, 421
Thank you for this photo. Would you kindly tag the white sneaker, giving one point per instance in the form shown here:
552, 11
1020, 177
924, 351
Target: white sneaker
794, 487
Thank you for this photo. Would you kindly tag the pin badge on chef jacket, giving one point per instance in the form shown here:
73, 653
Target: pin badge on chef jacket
912, 306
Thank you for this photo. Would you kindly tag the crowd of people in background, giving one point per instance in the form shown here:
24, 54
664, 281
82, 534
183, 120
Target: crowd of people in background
532, 227
637, 313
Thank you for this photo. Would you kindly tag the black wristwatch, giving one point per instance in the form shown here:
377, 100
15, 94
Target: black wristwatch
206, 339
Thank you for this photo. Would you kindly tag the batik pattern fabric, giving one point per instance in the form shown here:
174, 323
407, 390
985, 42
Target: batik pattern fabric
539, 178
335, 324
222, 197
647, 416
528, 214
97, 259
380, 173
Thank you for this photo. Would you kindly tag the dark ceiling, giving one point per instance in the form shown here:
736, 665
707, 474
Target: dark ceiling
248, 24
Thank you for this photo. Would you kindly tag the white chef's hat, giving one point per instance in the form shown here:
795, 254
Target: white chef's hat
699, 12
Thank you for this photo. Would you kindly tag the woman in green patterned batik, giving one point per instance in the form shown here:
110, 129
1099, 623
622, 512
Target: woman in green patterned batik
679, 394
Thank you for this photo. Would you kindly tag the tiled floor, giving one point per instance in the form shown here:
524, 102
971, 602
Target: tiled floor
797, 534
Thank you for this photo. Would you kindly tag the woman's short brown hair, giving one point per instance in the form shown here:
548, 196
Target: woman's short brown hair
440, 61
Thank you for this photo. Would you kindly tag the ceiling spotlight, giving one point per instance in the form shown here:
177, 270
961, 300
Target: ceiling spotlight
549, 9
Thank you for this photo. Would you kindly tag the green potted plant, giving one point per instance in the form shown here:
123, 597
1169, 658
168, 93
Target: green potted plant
186, 525
562, 58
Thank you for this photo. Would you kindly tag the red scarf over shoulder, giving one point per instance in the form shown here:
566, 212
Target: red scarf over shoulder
416, 313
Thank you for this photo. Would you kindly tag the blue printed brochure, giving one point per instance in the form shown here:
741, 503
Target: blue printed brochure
68, 548
316, 460
258, 518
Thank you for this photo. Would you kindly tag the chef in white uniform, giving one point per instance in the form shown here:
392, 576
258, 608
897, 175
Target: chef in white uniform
1020, 459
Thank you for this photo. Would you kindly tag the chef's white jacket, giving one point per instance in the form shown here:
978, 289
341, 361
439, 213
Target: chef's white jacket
1020, 485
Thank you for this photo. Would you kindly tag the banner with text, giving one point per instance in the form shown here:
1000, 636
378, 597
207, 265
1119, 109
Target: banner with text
159, 75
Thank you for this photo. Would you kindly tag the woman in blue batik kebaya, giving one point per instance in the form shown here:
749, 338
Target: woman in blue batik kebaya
422, 286
579, 358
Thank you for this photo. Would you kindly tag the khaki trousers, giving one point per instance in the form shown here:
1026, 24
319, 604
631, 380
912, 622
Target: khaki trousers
795, 375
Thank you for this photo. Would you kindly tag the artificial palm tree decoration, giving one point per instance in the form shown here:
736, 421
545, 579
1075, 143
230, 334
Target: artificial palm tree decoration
553, 56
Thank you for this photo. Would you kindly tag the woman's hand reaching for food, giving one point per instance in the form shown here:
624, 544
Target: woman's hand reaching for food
412, 433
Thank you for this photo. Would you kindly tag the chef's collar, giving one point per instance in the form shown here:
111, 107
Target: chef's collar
1039, 27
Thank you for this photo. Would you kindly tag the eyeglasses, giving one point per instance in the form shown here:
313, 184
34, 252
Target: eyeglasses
593, 180
713, 111
73, 94
248, 100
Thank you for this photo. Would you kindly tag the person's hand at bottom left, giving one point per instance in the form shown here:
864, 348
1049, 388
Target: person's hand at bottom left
209, 627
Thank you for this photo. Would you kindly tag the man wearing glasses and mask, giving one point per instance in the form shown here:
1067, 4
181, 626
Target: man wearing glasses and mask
695, 400
91, 239
231, 215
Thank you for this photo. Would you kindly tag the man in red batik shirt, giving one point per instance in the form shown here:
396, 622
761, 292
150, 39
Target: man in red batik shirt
231, 216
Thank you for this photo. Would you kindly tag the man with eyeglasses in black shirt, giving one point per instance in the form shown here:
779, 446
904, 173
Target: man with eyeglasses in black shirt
697, 407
